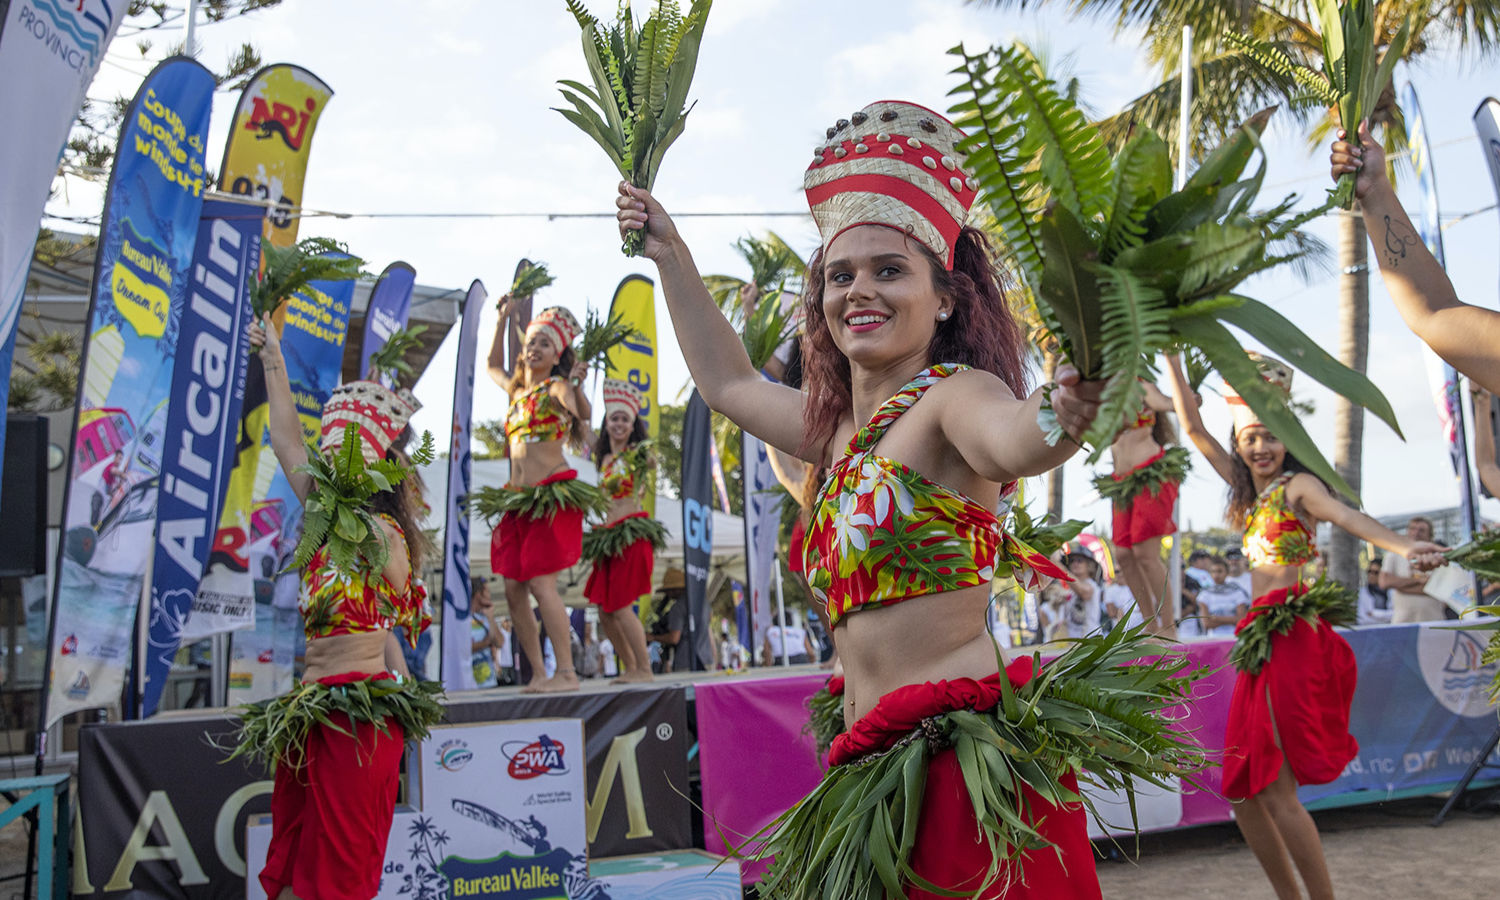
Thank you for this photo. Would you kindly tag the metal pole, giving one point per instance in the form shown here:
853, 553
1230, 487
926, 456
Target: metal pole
1185, 106
190, 43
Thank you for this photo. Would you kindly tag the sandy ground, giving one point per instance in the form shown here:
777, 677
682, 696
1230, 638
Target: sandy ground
1374, 853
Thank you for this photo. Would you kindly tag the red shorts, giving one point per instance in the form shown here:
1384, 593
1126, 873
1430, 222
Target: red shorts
619, 581
331, 818
950, 851
523, 548
1149, 514
1296, 708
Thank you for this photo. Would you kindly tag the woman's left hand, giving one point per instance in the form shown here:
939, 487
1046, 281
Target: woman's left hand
1075, 401
1425, 556
579, 372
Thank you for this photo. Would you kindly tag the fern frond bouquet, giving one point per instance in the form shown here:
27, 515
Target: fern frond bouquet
289, 270
637, 105
1122, 266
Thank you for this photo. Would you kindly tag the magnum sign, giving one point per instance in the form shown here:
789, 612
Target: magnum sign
266, 155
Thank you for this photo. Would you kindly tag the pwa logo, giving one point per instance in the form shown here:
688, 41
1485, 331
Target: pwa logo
454, 755
1450, 663
281, 120
544, 756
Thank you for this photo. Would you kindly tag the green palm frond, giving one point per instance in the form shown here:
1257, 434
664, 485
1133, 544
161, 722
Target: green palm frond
600, 335
289, 270
1135, 324
531, 279
774, 266
389, 362
1197, 368
336, 514
641, 75
1143, 175
767, 329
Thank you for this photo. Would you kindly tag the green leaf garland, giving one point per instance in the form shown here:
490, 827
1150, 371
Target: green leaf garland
1326, 600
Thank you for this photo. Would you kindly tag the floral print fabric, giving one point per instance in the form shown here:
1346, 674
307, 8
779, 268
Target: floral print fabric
341, 602
882, 533
1273, 534
621, 472
535, 416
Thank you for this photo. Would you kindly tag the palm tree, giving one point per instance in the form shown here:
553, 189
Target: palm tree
1229, 85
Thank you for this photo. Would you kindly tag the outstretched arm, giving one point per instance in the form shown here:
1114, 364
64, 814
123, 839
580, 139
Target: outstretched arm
287, 441
1309, 493
1463, 335
1185, 401
1156, 400
715, 355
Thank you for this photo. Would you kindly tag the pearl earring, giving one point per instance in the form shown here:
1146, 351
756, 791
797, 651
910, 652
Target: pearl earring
942, 317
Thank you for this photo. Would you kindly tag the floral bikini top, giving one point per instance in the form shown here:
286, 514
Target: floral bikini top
1274, 536
337, 601
619, 477
536, 415
881, 533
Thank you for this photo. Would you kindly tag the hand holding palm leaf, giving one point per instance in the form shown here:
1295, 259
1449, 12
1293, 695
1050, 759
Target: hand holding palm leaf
1122, 267
636, 107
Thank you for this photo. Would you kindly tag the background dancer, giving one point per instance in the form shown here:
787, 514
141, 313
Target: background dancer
540, 531
624, 548
907, 329
1148, 471
1289, 716
336, 783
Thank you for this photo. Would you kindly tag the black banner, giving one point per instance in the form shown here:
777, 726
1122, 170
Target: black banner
697, 531
162, 817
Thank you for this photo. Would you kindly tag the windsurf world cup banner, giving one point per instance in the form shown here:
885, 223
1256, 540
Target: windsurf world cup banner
458, 594
265, 159
203, 416
635, 359
315, 324
49, 52
387, 312
141, 279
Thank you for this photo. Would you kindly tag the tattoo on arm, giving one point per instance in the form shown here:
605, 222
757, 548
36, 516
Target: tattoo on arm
1398, 237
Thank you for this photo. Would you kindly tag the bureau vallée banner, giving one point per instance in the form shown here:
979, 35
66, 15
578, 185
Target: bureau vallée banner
635, 359
265, 159
146, 241
203, 415
49, 52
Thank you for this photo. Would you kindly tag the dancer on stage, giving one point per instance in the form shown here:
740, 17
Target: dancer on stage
335, 741
1143, 490
1289, 716
624, 548
912, 395
540, 531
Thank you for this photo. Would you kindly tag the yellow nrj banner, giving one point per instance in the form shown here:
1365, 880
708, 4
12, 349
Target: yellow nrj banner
635, 360
266, 155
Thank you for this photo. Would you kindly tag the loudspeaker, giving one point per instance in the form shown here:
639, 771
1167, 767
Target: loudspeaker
23, 497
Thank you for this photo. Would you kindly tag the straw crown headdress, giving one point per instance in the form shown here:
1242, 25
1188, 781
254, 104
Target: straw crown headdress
621, 396
380, 414
895, 164
1275, 372
559, 324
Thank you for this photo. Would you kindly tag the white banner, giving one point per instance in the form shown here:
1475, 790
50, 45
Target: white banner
49, 52
457, 668
762, 522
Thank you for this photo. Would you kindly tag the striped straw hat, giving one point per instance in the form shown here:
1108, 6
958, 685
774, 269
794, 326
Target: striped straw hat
621, 396
1276, 373
379, 413
894, 164
559, 324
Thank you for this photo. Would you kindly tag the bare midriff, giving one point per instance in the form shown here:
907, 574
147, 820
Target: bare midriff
929, 638
1266, 577
535, 461
1133, 447
340, 654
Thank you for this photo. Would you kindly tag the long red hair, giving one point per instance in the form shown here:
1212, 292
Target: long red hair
980, 332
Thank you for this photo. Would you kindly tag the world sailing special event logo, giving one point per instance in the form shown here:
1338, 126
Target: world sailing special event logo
1449, 659
454, 755
543, 756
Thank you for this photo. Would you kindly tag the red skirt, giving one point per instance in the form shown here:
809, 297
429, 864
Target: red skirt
523, 547
1302, 696
795, 560
619, 581
331, 818
950, 850
1149, 514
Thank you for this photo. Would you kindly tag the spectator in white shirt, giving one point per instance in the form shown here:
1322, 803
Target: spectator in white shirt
1409, 602
1197, 568
1239, 572
798, 646
1082, 614
1223, 603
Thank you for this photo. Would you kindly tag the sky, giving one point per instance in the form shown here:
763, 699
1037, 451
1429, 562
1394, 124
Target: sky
444, 108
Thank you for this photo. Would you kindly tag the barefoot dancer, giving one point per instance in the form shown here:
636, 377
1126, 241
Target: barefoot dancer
624, 548
542, 534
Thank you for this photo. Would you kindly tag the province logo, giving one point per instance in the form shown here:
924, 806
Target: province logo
544, 756
454, 755
1450, 663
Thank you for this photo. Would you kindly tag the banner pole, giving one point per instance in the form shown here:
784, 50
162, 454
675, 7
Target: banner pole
781, 617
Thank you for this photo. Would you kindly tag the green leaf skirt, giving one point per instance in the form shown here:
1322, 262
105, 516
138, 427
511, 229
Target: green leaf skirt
1100, 713
1278, 611
275, 731
543, 500
1171, 465
612, 540
825, 715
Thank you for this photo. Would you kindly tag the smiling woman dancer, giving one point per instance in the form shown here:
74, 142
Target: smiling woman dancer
541, 532
335, 740
1289, 716
624, 548
912, 396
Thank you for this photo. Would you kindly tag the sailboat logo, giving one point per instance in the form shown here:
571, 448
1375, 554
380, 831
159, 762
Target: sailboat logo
1451, 664
1463, 669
